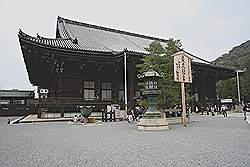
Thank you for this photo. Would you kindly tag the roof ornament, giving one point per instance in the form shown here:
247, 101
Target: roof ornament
37, 35
75, 41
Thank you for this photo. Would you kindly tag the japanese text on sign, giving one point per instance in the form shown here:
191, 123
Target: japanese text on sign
182, 68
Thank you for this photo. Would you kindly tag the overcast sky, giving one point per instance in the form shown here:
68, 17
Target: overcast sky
207, 28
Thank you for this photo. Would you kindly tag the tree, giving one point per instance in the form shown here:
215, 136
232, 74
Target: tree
238, 57
160, 59
247, 81
228, 88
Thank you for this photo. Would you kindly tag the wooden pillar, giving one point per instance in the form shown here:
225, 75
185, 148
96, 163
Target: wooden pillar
39, 114
131, 85
60, 94
61, 101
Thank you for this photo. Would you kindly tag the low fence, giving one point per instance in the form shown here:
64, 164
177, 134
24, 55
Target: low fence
60, 107
68, 107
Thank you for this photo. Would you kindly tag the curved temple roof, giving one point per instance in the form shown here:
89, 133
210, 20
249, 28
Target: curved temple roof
81, 36
78, 36
97, 38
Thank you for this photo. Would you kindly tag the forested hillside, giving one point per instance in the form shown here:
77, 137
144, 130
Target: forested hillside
238, 57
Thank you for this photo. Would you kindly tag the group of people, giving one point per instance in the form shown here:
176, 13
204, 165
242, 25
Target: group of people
213, 109
134, 114
222, 110
77, 118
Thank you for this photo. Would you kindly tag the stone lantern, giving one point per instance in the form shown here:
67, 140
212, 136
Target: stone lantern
152, 119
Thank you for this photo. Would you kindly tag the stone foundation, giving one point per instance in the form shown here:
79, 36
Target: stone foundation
153, 124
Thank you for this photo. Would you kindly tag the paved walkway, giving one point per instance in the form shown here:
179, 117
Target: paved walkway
240, 115
208, 141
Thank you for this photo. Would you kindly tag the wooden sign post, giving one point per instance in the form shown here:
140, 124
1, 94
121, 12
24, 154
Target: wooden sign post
182, 74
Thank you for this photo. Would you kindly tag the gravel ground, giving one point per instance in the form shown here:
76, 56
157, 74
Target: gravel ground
208, 141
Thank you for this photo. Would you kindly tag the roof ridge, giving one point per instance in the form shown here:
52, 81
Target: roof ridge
40, 37
109, 29
46, 38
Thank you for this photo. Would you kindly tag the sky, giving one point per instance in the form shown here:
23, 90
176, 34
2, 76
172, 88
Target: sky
206, 28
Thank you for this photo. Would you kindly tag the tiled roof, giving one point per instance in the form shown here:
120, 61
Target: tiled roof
97, 38
65, 43
75, 35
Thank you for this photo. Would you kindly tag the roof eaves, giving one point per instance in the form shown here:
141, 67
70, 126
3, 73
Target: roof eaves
39, 42
215, 66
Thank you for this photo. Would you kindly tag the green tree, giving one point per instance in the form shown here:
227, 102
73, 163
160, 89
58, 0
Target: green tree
247, 81
238, 57
228, 88
160, 59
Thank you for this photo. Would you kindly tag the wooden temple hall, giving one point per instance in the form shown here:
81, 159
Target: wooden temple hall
86, 64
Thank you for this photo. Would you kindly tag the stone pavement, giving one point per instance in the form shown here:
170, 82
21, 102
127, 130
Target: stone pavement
208, 141
233, 114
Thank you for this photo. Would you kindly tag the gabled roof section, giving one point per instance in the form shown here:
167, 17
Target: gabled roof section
92, 37
64, 43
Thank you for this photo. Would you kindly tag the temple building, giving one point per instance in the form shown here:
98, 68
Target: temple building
17, 102
97, 64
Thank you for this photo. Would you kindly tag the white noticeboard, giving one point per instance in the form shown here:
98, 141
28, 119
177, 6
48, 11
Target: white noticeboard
226, 100
183, 74
44, 91
182, 68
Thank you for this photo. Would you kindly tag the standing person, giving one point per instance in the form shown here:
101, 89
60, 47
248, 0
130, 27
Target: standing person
75, 119
223, 110
208, 109
133, 116
136, 113
245, 111
196, 109
212, 110
8, 121
130, 116
215, 109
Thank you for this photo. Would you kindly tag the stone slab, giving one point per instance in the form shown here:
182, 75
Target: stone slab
152, 124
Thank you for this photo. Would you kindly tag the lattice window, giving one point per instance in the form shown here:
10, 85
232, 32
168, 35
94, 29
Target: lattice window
106, 91
121, 95
89, 90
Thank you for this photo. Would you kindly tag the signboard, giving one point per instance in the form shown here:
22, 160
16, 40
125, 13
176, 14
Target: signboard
183, 74
226, 100
44, 91
182, 68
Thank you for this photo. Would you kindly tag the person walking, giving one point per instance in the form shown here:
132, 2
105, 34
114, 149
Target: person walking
75, 119
212, 110
223, 110
130, 116
8, 121
245, 111
208, 108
